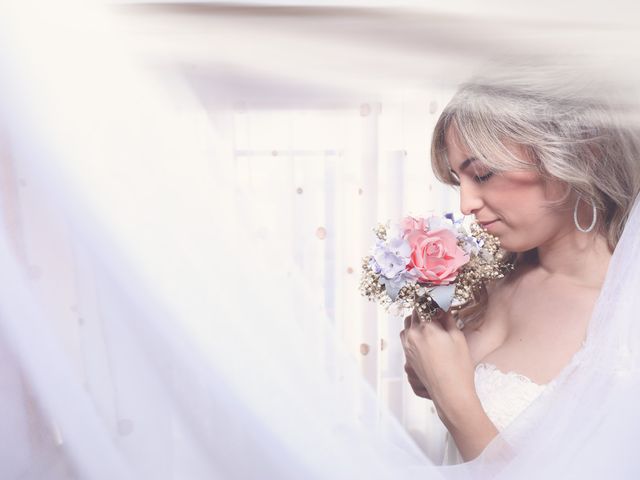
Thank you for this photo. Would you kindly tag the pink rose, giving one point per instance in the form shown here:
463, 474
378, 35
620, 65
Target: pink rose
436, 255
409, 224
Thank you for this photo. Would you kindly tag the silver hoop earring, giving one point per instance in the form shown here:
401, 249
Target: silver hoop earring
575, 216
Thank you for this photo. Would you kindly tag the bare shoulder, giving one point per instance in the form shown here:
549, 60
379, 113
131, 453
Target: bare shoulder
499, 296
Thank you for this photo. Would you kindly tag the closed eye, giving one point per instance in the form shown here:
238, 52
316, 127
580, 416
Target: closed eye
483, 178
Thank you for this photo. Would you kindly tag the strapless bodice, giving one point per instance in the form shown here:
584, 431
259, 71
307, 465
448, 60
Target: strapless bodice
503, 395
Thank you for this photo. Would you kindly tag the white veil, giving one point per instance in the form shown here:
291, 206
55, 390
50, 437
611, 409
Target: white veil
119, 259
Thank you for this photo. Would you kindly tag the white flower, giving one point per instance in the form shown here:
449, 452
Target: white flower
437, 223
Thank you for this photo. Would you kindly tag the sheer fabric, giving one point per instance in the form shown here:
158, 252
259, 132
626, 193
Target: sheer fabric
135, 344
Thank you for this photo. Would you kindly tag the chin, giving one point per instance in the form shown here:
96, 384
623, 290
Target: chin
513, 247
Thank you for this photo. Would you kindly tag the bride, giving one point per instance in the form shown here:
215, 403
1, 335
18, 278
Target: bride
144, 336
554, 179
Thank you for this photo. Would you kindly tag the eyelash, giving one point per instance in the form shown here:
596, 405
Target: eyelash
484, 178
476, 178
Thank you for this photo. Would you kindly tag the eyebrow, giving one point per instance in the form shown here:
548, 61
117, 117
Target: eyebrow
464, 164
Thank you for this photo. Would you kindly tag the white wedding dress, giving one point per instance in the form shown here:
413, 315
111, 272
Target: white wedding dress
503, 395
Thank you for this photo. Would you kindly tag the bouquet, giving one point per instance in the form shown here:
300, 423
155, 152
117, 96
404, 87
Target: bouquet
429, 264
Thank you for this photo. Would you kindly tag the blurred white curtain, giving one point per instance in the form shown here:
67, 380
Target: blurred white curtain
318, 177
111, 243
130, 346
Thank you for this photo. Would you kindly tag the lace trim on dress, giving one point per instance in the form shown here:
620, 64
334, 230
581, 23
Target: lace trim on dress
510, 373
574, 361
504, 395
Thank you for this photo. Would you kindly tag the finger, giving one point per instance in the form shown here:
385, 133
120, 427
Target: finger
413, 377
429, 322
448, 321
442, 320
436, 318
409, 369
415, 318
407, 321
417, 385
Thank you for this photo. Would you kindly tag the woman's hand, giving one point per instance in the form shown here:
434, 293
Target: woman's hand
416, 384
438, 362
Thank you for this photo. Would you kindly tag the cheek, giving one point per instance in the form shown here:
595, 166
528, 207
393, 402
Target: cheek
519, 200
530, 227
556, 190
521, 195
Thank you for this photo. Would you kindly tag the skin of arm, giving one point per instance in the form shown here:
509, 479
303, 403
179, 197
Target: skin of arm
438, 357
468, 424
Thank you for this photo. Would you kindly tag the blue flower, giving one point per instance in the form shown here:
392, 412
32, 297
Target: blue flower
471, 245
390, 258
393, 285
450, 216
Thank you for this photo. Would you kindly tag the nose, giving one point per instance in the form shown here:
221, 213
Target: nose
470, 199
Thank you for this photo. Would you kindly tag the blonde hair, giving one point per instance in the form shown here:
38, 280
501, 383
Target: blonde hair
578, 128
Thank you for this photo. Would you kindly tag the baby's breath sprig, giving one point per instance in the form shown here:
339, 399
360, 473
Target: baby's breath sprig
488, 266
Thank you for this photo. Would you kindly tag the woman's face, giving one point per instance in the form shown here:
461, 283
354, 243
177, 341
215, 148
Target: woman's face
515, 199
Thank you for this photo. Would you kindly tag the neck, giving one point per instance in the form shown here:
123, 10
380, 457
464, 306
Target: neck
580, 258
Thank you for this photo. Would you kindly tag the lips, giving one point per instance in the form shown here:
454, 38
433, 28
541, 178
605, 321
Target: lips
484, 224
